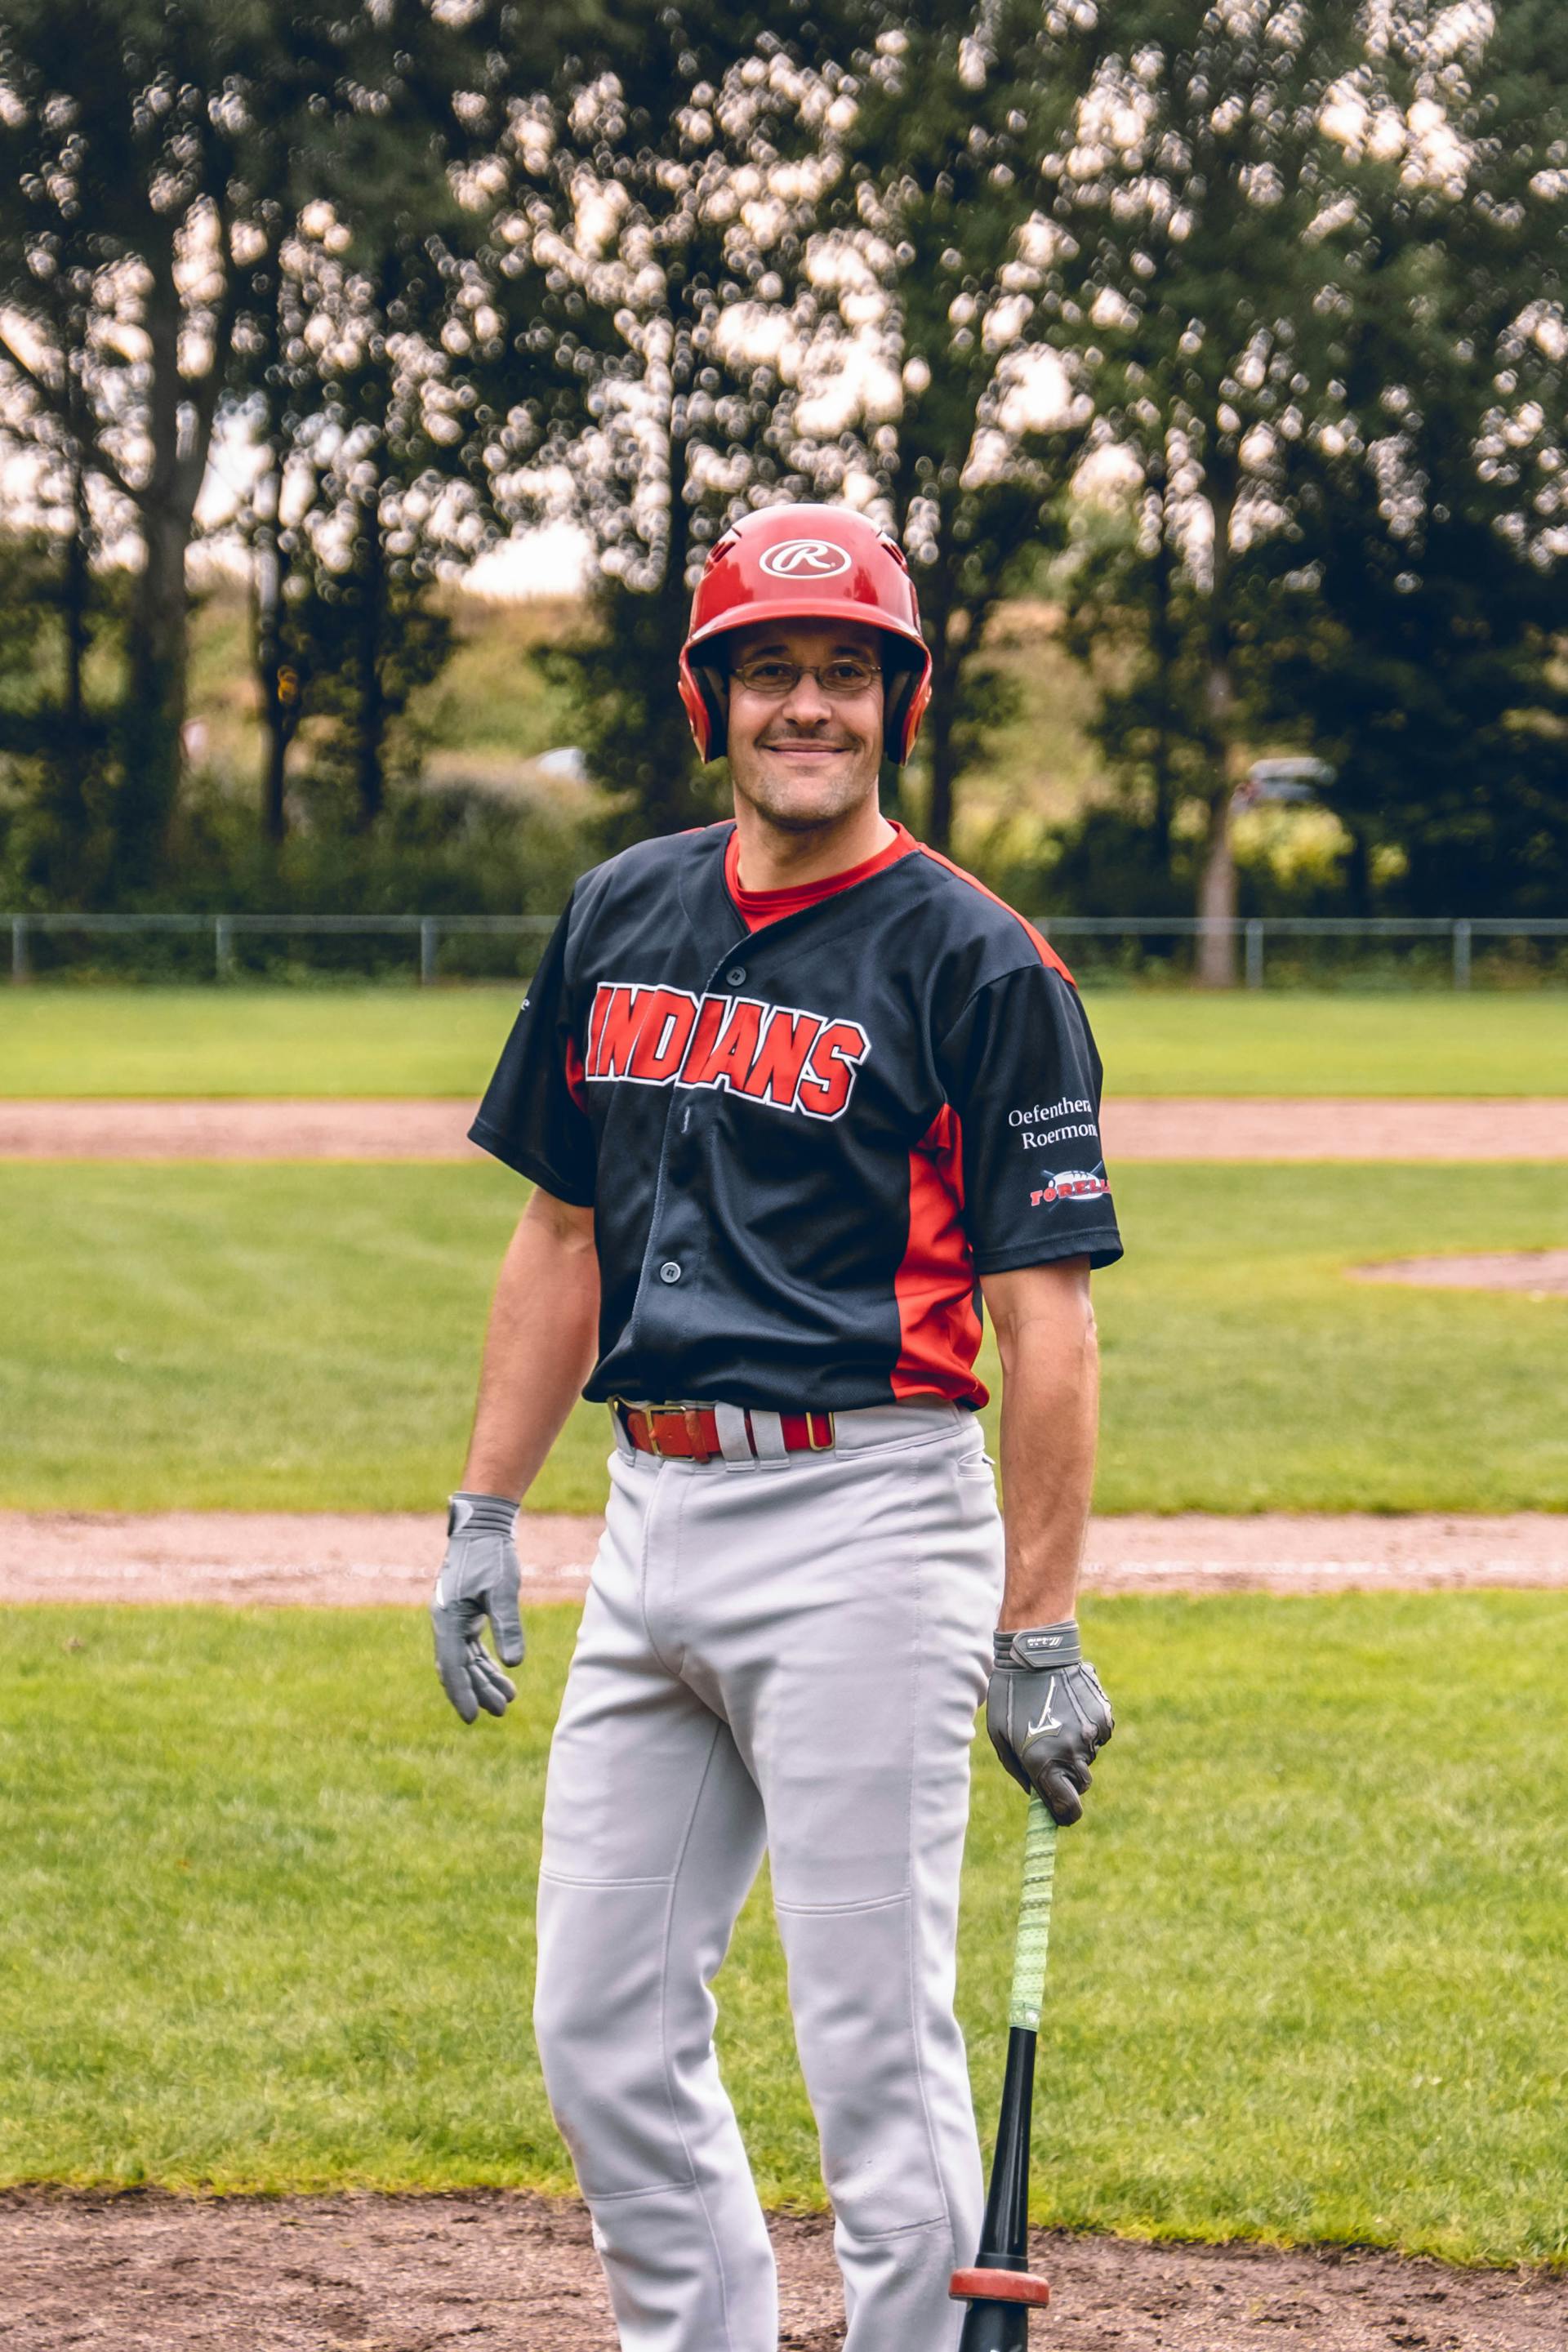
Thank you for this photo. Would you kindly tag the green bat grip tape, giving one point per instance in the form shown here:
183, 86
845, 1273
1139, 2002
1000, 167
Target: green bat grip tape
1034, 1919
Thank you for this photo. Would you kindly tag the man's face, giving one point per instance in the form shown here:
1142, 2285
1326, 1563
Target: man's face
805, 758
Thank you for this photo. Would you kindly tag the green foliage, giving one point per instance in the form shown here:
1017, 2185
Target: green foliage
1417, 614
617, 674
235, 1955
56, 787
1326, 353
935, 229
630, 406
307, 157
307, 1337
366, 644
460, 850
1252, 316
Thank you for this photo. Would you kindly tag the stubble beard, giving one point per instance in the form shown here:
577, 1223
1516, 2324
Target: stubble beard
831, 803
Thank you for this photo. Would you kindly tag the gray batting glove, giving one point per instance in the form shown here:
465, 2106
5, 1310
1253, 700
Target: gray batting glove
1046, 1715
479, 1579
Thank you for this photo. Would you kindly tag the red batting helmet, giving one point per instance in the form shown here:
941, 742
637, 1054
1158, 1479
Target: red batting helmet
806, 563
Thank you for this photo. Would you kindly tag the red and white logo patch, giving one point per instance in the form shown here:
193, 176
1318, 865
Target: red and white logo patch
805, 558
773, 1053
1072, 1184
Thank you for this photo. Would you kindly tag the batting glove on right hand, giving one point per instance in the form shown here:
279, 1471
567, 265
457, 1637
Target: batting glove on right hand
1046, 1715
480, 1577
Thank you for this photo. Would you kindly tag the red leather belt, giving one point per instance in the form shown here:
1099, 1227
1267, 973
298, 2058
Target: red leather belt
691, 1432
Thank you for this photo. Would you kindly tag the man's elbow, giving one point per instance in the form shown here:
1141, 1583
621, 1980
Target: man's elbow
1055, 1298
569, 1227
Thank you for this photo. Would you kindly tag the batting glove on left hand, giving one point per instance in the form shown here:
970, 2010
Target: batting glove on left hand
480, 1577
1046, 1715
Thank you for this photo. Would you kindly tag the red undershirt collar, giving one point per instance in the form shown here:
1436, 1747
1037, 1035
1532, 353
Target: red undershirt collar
759, 907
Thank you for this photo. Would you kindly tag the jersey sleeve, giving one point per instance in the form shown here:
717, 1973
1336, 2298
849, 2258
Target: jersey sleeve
1020, 1070
532, 1115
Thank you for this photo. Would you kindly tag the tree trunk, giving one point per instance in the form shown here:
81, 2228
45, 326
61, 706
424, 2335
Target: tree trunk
946, 642
1217, 884
279, 690
371, 764
943, 763
1163, 647
1358, 873
1216, 902
155, 713
76, 590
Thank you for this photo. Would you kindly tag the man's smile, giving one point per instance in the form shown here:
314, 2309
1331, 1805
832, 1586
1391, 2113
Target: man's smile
800, 748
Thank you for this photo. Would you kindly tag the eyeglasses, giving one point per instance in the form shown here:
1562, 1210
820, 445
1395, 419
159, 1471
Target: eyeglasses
773, 678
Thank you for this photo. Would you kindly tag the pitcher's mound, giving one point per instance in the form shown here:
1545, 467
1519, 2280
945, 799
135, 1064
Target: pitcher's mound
1540, 1274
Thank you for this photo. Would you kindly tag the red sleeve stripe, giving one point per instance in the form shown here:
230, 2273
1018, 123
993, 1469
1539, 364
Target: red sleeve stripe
574, 1075
1047, 953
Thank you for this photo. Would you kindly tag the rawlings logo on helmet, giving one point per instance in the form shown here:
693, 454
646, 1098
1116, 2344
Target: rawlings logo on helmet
804, 558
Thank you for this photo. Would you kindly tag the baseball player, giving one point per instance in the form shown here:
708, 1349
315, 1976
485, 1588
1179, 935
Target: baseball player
797, 1094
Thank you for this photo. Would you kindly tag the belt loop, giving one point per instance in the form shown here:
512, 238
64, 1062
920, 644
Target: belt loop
767, 1436
624, 1446
734, 1440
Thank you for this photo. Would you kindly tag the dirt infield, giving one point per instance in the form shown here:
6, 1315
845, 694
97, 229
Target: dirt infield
1146, 1127
368, 1560
1539, 1274
502, 2272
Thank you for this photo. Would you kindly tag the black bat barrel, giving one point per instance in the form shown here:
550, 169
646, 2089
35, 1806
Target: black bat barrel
1003, 2325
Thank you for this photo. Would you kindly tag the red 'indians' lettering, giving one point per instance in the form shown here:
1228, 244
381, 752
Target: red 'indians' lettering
665, 1037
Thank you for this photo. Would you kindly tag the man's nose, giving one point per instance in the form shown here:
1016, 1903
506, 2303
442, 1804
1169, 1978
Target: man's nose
806, 702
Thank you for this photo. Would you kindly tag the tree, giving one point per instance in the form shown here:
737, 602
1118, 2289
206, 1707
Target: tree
118, 203
1195, 238
147, 156
1426, 573
940, 391
658, 190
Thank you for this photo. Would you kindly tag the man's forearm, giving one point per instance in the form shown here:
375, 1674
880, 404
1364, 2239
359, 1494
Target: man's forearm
1050, 1411
539, 1349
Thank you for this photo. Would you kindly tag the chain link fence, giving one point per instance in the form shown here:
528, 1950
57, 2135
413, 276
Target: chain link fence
1459, 951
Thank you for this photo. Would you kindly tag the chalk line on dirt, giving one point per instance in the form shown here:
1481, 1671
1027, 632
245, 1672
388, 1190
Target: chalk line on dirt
389, 1559
1136, 1128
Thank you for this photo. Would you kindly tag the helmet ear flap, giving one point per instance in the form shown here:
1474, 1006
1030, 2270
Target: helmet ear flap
705, 695
905, 695
713, 684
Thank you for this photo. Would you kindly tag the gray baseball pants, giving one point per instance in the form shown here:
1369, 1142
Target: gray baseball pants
786, 1653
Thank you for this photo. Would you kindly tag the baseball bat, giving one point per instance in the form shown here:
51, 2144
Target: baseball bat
1000, 2289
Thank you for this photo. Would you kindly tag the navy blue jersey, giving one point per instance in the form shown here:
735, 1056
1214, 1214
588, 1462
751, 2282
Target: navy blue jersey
802, 1143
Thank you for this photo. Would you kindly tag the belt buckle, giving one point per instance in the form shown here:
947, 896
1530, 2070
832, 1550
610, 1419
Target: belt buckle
621, 1414
687, 1416
829, 1442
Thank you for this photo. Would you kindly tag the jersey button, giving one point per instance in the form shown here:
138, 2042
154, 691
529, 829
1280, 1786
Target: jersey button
669, 1271
736, 974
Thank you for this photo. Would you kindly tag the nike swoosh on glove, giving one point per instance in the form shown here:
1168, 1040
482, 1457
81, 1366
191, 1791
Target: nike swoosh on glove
1047, 1715
479, 1579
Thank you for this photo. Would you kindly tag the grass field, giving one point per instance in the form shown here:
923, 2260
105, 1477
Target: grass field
268, 1921
394, 1041
307, 1338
